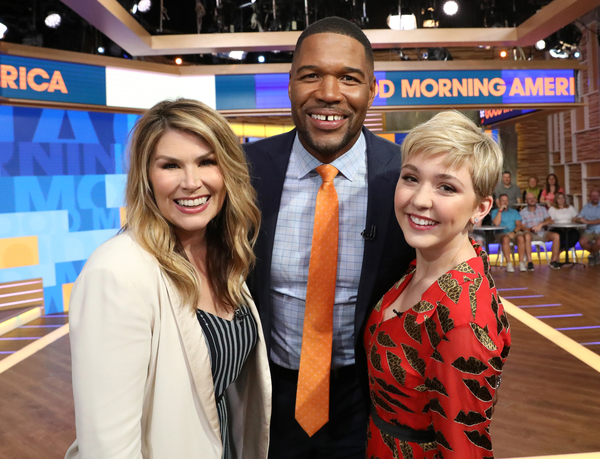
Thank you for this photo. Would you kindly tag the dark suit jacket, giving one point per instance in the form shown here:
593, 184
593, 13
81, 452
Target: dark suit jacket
385, 258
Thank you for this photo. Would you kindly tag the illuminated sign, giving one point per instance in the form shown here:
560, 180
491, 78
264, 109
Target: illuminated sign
37, 79
45, 80
451, 87
476, 87
495, 115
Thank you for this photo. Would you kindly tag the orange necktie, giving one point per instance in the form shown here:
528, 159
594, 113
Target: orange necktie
312, 398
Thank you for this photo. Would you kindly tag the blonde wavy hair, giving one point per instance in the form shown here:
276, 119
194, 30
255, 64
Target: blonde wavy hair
462, 143
230, 235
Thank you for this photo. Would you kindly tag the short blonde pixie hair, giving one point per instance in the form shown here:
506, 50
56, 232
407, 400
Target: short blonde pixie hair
463, 143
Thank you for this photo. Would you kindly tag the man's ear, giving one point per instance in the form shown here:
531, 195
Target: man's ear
372, 90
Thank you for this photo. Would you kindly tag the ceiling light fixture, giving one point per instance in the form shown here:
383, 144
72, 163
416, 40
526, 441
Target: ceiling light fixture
261, 59
540, 45
559, 53
144, 6
3, 30
178, 61
406, 22
101, 50
451, 8
503, 54
53, 20
238, 55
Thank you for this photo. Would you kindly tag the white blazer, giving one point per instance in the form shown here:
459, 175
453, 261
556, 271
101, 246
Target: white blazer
142, 377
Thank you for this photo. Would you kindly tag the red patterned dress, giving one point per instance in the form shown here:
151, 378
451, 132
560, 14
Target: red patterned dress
437, 365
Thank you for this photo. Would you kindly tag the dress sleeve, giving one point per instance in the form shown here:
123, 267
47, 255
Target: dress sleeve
111, 334
462, 381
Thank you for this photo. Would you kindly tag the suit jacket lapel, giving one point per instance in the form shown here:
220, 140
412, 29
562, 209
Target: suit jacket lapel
271, 166
383, 166
196, 353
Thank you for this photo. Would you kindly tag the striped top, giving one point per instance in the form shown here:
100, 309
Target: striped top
229, 343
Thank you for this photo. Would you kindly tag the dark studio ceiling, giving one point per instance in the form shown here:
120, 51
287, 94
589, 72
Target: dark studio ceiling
201, 30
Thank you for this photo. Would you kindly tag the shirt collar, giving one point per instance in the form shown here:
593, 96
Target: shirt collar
347, 164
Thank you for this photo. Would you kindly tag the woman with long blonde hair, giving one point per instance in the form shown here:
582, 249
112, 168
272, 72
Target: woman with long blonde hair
168, 355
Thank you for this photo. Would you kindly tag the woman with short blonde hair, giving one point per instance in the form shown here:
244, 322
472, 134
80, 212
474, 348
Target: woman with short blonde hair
437, 340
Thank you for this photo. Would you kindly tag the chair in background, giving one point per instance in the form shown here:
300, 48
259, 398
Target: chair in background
540, 245
500, 259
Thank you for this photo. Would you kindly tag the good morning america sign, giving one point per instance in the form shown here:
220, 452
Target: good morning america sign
414, 88
45, 80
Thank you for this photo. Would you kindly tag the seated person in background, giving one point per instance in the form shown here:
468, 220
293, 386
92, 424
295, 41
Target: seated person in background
562, 212
590, 239
533, 188
511, 219
552, 187
534, 219
506, 187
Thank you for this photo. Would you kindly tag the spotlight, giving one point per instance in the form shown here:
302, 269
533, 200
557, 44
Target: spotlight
406, 22
559, 53
577, 54
144, 6
261, 59
52, 20
238, 55
101, 50
540, 45
178, 61
3, 30
451, 8
503, 54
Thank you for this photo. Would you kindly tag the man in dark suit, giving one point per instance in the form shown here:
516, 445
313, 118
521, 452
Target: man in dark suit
331, 87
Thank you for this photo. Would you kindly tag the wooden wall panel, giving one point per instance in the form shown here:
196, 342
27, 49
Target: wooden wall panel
588, 145
568, 146
593, 184
594, 109
575, 179
532, 150
577, 139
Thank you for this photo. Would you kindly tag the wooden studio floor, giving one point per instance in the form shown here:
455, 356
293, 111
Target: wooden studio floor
549, 401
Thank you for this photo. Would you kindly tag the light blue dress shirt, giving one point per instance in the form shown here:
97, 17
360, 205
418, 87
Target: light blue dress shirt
292, 245
590, 212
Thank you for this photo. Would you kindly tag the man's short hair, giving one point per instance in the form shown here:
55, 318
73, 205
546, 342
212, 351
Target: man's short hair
506, 172
340, 26
503, 194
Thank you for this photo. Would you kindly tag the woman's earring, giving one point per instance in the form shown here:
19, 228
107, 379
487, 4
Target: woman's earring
475, 221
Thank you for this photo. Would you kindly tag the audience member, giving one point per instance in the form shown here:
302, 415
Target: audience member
512, 191
511, 220
534, 218
552, 187
562, 212
533, 188
590, 239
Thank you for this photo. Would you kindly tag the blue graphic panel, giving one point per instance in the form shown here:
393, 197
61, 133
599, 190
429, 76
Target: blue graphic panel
235, 92
6, 125
115, 190
34, 223
62, 180
272, 90
399, 137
